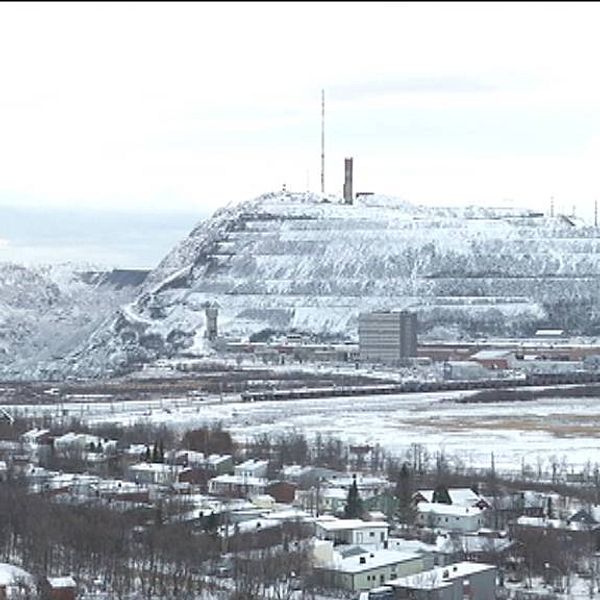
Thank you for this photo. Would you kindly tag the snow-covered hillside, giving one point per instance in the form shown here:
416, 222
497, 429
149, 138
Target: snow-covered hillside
303, 261
47, 311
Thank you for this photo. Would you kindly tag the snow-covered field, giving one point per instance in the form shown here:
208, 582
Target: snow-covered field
534, 433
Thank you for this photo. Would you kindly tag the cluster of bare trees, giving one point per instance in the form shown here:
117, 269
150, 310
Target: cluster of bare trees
128, 551
147, 552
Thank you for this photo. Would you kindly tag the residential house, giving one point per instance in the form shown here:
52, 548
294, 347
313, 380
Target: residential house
476, 581
309, 476
122, 491
15, 582
356, 569
368, 486
82, 444
332, 500
36, 436
454, 496
60, 588
153, 473
199, 468
352, 531
213, 464
449, 516
237, 486
252, 468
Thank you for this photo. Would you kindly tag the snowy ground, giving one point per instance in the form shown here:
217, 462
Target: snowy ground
563, 430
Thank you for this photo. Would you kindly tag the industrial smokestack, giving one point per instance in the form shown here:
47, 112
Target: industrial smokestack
211, 312
347, 180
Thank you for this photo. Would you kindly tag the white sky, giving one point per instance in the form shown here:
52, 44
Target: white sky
188, 106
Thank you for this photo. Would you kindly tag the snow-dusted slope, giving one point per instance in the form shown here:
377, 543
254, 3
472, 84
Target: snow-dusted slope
47, 311
302, 261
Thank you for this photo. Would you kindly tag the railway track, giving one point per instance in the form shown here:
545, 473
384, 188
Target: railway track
408, 387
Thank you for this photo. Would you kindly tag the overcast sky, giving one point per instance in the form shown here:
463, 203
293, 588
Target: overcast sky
177, 109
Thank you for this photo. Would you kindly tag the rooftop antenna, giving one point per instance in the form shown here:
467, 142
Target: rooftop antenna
322, 141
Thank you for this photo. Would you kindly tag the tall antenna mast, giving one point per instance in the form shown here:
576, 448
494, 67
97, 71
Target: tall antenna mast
551, 206
322, 141
595, 213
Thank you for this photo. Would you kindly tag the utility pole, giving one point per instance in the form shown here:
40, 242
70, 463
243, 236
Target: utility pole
322, 141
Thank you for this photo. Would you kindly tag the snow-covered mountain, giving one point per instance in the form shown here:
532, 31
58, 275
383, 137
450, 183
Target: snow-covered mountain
47, 311
312, 263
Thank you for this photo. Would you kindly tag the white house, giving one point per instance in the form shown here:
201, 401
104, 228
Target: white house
153, 473
332, 500
83, 443
237, 486
458, 497
367, 485
352, 531
35, 436
449, 516
252, 468
15, 582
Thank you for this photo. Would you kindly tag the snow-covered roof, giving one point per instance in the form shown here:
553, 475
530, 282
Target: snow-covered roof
11, 575
410, 545
334, 493
439, 577
491, 354
458, 496
349, 524
251, 525
252, 464
372, 560
290, 514
361, 481
262, 498
293, 470
471, 544
240, 479
550, 332
454, 510
215, 459
34, 434
61, 582
541, 522
136, 449
155, 468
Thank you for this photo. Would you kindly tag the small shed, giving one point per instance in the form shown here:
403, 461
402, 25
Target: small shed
60, 588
